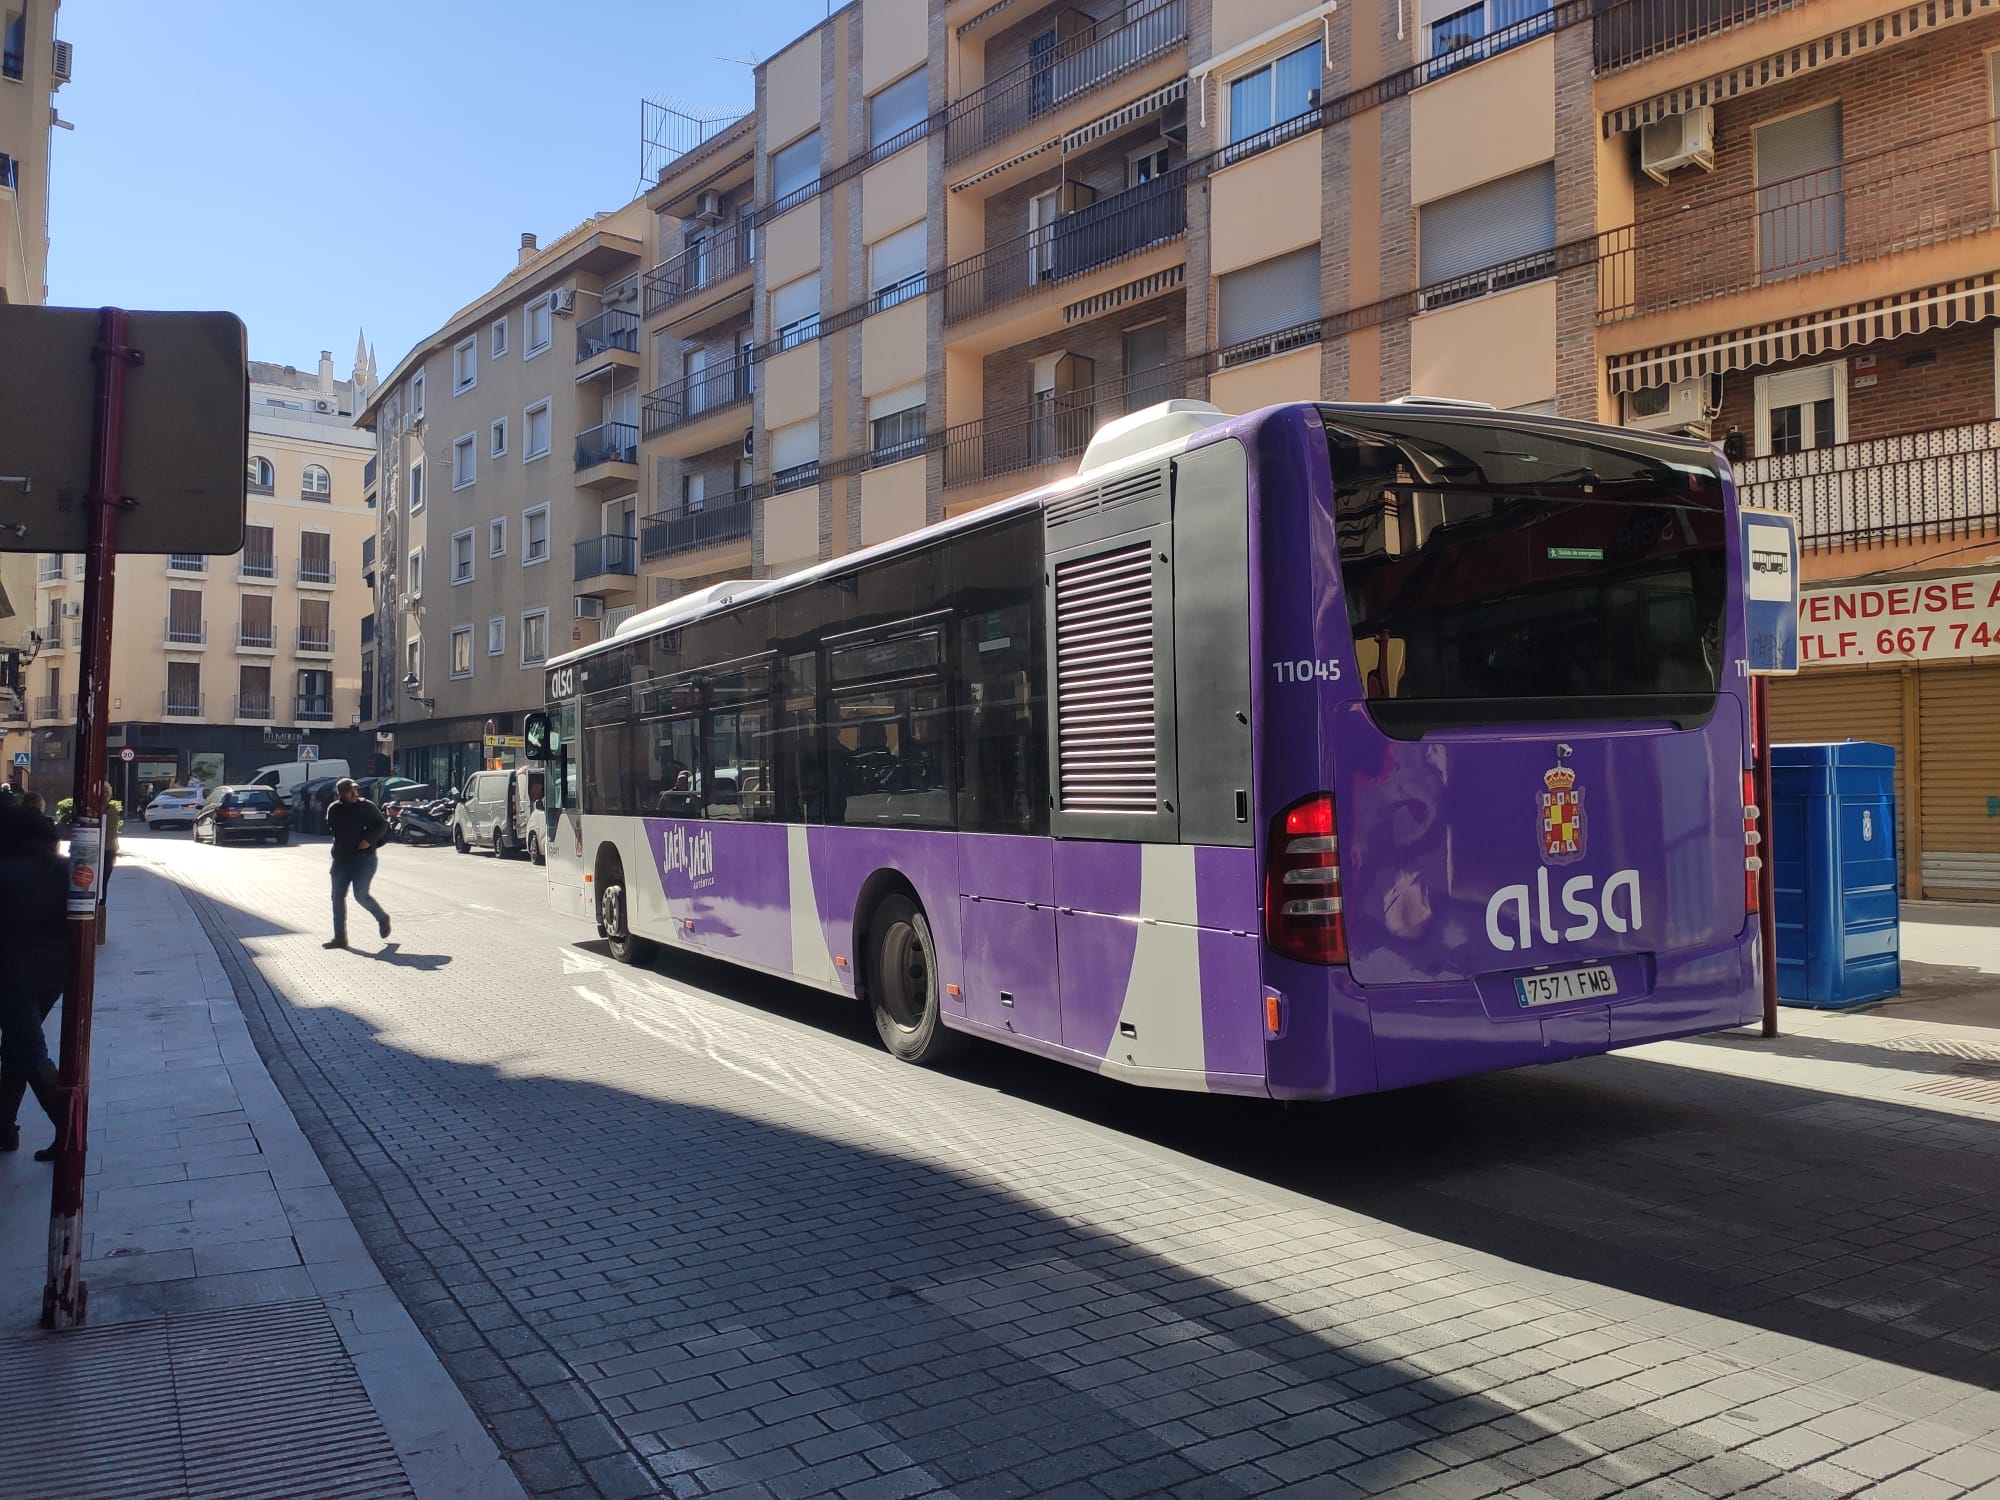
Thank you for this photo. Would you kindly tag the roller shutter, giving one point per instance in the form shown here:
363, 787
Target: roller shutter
1958, 717
1845, 704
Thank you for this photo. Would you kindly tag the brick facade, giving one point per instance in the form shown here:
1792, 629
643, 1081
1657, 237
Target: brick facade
1010, 372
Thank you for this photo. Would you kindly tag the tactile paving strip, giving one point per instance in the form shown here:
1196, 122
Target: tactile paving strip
258, 1401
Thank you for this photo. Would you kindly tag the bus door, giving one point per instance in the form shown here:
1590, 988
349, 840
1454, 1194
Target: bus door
561, 817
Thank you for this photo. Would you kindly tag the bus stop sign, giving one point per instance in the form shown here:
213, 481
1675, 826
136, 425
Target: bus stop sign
1771, 591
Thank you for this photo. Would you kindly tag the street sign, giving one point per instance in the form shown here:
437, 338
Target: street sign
23, 758
128, 755
506, 742
1771, 591
185, 430
308, 751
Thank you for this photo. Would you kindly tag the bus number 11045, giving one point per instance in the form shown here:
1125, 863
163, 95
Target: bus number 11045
1307, 669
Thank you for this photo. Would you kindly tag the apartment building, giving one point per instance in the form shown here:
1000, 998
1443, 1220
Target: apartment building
33, 65
225, 664
507, 494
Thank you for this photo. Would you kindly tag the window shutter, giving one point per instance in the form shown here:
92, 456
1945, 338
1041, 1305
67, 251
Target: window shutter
794, 446
897, 258
1496, 222
795, 302
1279, 293
898, 107
890, 402
795, 166
1805, 143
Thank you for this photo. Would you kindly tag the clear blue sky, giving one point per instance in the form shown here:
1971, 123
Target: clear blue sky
370, 163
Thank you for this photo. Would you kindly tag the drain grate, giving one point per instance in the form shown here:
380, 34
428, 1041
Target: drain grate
243, 1401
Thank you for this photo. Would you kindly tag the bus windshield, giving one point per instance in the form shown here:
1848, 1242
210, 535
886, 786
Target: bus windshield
1527, 574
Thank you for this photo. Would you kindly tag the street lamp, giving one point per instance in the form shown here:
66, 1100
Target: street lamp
415, 691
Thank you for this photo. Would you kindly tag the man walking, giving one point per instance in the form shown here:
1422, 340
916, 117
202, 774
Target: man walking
358, 830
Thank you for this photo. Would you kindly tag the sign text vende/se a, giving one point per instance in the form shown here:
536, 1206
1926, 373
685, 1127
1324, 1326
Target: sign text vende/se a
1885, 622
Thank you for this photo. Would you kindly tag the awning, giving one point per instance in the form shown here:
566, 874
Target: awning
1973, 300
1131, 114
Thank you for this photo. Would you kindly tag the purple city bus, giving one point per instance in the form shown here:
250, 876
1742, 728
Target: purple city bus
1326, 749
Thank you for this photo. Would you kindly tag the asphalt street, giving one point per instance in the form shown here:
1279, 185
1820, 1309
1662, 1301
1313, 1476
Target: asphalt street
682, 1230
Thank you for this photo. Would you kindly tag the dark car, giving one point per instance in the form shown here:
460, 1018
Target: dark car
243, 814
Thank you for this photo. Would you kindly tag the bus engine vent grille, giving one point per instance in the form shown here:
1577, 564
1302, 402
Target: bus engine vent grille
1106, 716
1131, 490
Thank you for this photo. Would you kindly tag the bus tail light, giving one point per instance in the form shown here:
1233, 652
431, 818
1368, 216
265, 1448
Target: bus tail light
1753, 862
1302, 917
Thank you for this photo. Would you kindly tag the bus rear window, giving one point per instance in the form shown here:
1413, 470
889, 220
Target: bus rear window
1492, 575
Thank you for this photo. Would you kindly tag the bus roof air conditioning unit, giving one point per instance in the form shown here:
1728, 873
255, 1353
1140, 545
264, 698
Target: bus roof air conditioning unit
1680, 406
1683, 140
708, 206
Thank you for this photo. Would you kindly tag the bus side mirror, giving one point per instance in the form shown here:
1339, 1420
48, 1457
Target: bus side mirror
535, 733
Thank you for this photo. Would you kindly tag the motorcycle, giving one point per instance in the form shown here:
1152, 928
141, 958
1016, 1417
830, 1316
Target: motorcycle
421, 823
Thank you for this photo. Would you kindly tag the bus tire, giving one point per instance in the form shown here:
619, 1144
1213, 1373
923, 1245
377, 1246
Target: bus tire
903, 986
624, 947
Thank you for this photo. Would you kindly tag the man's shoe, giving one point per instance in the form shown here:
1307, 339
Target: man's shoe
47, 1153
334, 943
10, 1138
383, 927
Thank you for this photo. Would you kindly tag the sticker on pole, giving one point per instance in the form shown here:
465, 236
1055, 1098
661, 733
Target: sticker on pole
1771, 592
86, 850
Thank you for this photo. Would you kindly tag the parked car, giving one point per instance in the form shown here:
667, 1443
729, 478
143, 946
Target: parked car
496, 811
286, 775
173, 808
242, 814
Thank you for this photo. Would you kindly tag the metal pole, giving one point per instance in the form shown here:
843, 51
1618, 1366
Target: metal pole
1767, 900
64, 1294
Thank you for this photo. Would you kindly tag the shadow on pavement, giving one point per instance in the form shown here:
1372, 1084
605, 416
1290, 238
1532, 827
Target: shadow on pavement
392, 953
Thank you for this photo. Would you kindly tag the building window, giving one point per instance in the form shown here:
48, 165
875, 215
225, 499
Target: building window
694, 493
538, 431
795, 455
315, 556
14, 53
464, 462
497, 338
1800, 409
416, 486
461, 557
255, 628
259, 476
259, 558
1269, 298
414, 574
1801, 208
315, 695
253, 692
499, 444
796, 167
896, 426
534, 637
183, 689
496, 537
537, 326
185, 626
535, 535
464, 366
461, 651
896, 266
899, 107
1275, 93
496, 636
315, 484
1484, 30
413, 659
416, 395
795, 311
316, 625
1498, 235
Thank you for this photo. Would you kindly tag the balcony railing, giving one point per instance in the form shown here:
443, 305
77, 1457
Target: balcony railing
314, 640
314, 709
253, 707
56, 706
685, 400
315, 570
187, 632
597, 556
255, 638
1059, 427
614, 328
725, 518
1941, 483
175, 705
1107, 230
1140, 31
607, 443
1918, 193
49, 570
257, 565
187, 562
716, 257
1638, 29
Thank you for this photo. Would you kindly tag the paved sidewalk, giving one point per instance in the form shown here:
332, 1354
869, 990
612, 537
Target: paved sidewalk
240, 1339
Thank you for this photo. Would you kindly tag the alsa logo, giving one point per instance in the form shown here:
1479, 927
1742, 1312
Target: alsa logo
1517, 915
689, 852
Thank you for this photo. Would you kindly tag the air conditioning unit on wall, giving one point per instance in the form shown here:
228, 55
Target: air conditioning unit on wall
1683, 140
708, 206
1682, 406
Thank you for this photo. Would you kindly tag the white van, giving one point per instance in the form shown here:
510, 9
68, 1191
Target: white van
286, 775
500, 810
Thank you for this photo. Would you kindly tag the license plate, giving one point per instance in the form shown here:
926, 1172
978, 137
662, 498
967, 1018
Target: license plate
1561, 985
253, 817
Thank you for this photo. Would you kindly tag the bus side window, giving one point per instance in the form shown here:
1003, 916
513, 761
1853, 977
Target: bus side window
795, 754
1001, 754
739, 746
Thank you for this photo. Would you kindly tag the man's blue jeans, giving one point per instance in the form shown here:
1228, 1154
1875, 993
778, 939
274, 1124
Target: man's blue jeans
356, 874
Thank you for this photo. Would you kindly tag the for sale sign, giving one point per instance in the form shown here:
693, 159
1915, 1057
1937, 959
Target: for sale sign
1924, 619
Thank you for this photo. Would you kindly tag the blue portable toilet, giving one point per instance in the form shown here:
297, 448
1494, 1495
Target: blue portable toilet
1833, 851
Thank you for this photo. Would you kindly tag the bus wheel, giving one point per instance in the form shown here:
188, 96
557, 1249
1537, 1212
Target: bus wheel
903, 985
626, 948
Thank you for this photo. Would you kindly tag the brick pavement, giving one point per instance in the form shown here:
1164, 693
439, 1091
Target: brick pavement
688, 1232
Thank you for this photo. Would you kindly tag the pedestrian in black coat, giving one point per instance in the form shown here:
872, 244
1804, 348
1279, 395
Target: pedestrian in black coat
34, 934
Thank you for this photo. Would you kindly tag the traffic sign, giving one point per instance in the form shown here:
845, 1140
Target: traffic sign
23, 758
128, 755
1771, 591
505, 742
308, 751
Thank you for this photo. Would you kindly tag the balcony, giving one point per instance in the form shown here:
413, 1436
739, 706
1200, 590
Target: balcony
609, 341
1920, 193
710, 264
1635, 30
1064, 249
608, 454
1059, 427
175, 705
315, 709
49, 569
57, 638
694, 406
316, 572
254, 567
368, 473
188, 564
1143, 30
255, 638
724, 519
258, 710
55, 706
313, 640
187, 632
1919, 486
606, 556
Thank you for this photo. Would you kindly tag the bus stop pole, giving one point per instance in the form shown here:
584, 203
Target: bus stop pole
63, 1295
1767, 901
